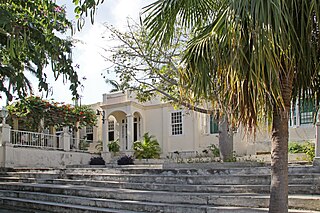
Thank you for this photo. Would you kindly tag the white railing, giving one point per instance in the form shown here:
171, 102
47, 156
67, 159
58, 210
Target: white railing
34, 139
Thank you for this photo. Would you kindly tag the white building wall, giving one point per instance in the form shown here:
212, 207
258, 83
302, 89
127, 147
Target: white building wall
153, 124
156, 119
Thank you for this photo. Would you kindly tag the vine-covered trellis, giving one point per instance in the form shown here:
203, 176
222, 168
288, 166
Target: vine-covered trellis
35, 113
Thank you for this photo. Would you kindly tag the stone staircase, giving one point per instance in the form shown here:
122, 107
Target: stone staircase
148, 188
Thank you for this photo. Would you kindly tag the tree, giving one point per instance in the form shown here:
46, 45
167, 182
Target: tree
260, 55
29, 42
153, 71
115, 85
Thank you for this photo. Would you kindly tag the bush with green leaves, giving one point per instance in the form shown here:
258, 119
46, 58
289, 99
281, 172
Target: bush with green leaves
295, 147
214, 150
147, 148
308, 148
114, 146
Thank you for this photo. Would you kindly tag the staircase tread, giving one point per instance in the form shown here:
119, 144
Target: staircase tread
132, 191
69, 205
127, 211
170, 184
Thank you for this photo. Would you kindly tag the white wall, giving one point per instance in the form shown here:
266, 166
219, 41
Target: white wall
31, 157
156, 117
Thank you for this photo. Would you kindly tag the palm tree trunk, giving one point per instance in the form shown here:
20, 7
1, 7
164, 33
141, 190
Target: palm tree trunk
279, 151
225, 140
279, 163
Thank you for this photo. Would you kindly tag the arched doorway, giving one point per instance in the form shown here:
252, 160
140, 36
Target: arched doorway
118, 128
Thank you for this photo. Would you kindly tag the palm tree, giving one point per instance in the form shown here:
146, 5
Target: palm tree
261, 56
13, 81
115, 85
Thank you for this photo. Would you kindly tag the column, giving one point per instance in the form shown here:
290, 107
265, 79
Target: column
130, 132
6, 147
106, 155
5, 136
105, 135
65, 140
77, 136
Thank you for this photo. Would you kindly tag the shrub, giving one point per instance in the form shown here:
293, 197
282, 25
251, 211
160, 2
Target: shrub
307, 148
147, 148
97, 161
295, 147
114, 146
214, 150
126, 160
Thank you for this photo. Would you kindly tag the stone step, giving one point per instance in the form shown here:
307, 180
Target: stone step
210, 171
55, 207
293, 189
133, 169
252, 200
241, 179
56, 203
196, 179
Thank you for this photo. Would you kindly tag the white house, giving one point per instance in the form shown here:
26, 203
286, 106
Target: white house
123, 117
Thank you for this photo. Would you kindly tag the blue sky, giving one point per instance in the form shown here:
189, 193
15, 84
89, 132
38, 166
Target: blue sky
88, 50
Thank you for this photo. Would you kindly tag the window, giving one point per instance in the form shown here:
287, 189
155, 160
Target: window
111, 130
136, 128
89, 133
307, 110
214, 125
176, 123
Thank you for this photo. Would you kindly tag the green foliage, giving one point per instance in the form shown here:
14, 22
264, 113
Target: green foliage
307, 148
147, 148
29, 42
114, 146
84, 8
31, 110
214, 150
295, 147
145, 70
233, 158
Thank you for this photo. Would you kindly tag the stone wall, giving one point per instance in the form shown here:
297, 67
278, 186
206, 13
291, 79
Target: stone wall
41, 158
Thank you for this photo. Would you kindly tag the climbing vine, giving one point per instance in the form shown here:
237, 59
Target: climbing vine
34, 113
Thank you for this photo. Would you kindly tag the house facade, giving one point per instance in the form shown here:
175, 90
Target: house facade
123, 117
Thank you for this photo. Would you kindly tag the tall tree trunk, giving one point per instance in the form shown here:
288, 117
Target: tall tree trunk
279, 163
279, 151
225, 140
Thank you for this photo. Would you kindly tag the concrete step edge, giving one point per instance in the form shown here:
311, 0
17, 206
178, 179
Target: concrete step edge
210, 209
72, 206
